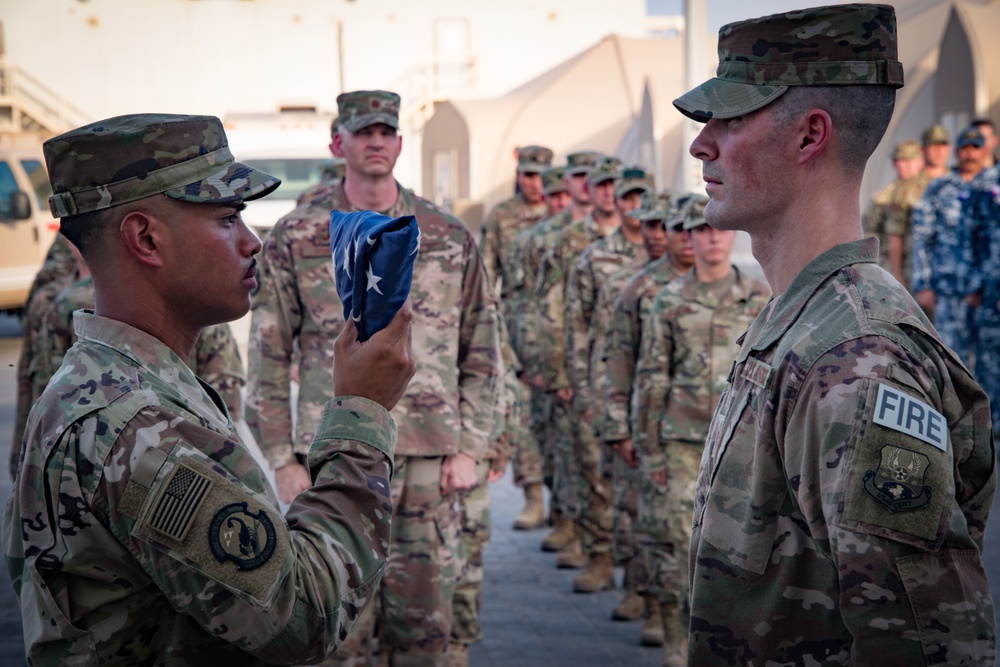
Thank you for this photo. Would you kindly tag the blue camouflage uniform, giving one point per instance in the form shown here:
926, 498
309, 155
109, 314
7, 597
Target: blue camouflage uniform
943, 258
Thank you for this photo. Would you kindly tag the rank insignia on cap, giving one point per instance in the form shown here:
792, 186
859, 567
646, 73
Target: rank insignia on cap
239, 535
898, 482
177, 505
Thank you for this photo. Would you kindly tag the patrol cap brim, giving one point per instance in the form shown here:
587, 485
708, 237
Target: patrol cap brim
237, 182
367, 120
720, 98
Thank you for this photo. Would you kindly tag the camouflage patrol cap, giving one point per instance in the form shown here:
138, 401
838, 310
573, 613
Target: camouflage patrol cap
607, 168
970, 136
361, 108
824, 46
679, 208
692, 213
582, 162
635, 178
906, 150
655, 206
127, 158
533, 159
554, 180
935, 134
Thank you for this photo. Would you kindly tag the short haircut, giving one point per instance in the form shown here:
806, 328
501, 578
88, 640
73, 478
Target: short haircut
87, 230
860, 115
979, 122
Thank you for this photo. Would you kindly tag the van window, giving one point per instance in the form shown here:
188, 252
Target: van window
296, 174
39, 182
8, 186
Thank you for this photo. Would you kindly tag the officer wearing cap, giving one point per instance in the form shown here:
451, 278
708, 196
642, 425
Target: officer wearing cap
595, 266
629, 297
946, 275
849, 469
554, 190
889, 216
496, 242
936, 147
140, 529
680, 374
579, 465
551, 427
451, 406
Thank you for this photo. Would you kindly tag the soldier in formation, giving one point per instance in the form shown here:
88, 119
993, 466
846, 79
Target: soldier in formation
157, 496
449, 410
497, 235
851, 452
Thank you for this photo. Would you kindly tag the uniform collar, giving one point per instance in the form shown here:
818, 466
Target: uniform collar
784, 311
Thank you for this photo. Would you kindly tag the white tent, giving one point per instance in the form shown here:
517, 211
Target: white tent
616, 97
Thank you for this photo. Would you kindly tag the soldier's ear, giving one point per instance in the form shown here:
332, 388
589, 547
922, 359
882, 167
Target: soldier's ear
142, 232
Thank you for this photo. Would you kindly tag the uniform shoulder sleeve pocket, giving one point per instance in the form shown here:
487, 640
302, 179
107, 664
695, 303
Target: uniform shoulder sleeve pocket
900, 472
214, 526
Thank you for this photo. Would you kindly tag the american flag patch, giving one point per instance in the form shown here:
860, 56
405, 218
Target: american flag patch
178, 503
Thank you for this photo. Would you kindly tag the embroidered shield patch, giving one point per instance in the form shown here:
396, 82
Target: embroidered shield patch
898, 482
241, 536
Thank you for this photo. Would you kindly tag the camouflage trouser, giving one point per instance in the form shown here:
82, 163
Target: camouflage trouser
665, 515
625, 483
955, 321
593, 488
474, 526
559, 441
988, 357
528, 465
540, 415
416, 594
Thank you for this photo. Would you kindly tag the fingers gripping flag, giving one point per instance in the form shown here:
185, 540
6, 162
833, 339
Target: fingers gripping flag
373, 258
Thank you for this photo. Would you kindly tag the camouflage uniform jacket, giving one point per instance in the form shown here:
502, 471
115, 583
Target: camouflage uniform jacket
942, 238
148, 479
449, 405
845, 487
565, 249
624, 342
536, 247
891, 214
499, 229
58, 270
32, 362
598, 262
600, 330
216, 355
688, 347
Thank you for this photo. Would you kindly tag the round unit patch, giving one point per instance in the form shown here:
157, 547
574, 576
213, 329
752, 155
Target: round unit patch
241, 536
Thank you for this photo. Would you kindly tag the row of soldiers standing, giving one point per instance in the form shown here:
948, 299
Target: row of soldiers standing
939, 236
624, 308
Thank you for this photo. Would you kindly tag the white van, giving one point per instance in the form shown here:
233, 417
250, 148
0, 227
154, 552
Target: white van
292, 144
27, 228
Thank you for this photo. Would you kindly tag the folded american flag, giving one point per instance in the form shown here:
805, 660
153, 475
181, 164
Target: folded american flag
373, 258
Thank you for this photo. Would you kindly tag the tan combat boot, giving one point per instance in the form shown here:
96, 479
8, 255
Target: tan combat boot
572, 557
599, 575
562, 533
533, 514
652, 626
632, 607
458, 655
675, 643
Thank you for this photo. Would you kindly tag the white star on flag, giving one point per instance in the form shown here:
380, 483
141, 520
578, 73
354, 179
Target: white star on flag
373, 280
